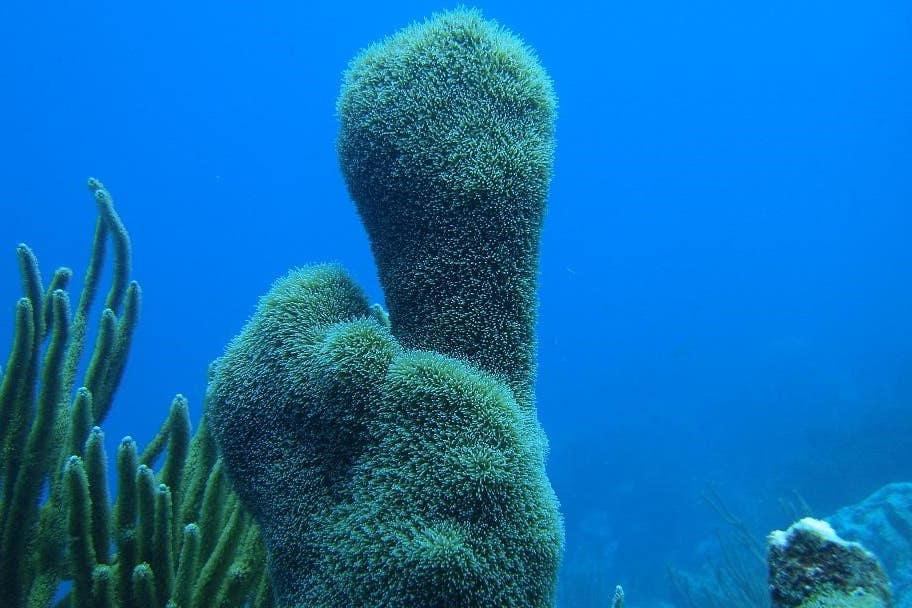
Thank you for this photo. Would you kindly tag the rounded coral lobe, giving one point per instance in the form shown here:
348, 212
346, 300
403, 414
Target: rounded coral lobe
456, 104
446, 144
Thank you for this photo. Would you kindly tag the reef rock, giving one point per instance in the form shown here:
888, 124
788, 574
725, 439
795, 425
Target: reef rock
810, 566
883, 524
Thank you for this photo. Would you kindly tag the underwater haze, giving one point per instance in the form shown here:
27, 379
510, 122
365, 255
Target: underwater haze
725, 295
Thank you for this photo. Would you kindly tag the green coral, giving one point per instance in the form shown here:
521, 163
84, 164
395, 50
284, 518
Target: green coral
36, 423
397, 460
383, 476
66, 533
446, 144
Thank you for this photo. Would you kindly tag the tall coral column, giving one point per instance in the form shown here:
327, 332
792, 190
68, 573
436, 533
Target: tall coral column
446, 144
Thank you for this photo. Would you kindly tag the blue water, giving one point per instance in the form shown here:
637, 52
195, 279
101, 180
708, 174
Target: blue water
725, 292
